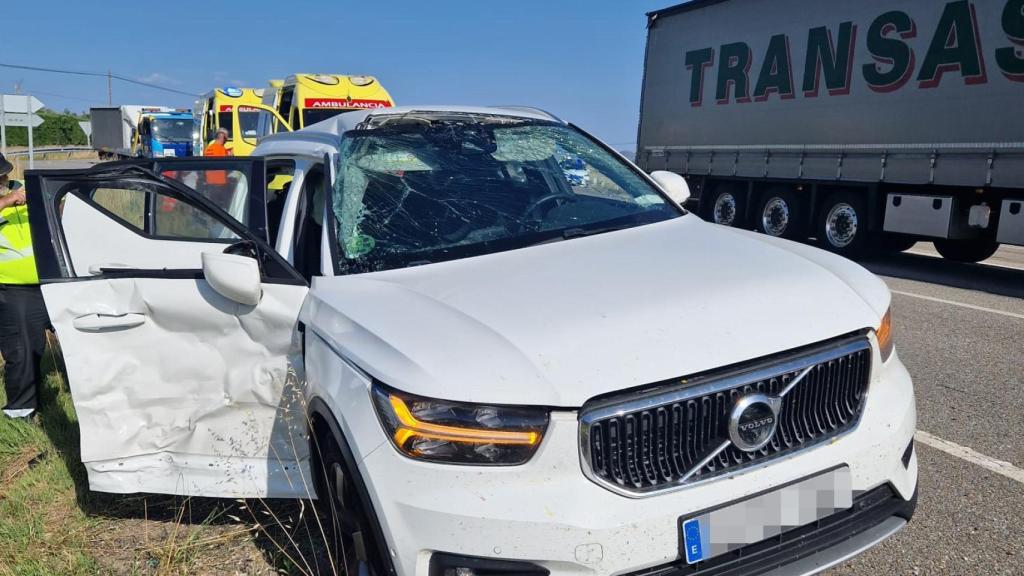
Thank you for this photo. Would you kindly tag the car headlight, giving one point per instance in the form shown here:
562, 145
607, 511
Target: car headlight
884, 335
457, 432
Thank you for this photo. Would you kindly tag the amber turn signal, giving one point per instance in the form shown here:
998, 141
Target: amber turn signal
410, 427
884, 335
460, 432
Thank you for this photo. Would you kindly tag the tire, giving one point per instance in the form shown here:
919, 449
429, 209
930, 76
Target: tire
780, 214
966, 250
346, 526
725, 206
897, 242
842, 224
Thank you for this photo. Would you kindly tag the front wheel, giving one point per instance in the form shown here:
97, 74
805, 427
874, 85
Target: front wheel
346, 526
842, 224
966, 250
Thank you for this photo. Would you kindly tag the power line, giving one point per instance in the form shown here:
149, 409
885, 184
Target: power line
62, 96
98, 74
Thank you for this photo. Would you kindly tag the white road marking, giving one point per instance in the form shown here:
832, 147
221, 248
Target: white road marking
960, 304
918, 252
972, 456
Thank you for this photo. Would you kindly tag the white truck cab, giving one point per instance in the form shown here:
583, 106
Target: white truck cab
486, 342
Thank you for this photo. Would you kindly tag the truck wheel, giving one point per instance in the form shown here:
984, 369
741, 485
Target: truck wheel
842, 224
780, 214
725, 206
966, 250
346, 527
897, 242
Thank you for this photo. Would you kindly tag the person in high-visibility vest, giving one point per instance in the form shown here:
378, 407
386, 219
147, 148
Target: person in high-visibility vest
217, 187
23, 317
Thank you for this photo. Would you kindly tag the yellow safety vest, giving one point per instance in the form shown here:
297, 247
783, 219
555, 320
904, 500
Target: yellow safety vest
17, 261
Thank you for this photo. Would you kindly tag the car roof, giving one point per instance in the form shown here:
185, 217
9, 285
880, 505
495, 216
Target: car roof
328, 132
338, 125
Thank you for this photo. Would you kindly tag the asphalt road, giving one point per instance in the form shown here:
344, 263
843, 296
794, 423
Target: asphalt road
60, 164
960, 331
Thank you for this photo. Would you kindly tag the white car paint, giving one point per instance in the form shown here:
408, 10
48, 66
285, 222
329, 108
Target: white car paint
560, 323
235, 277
547, 511
91, 252
184, 402
206, 396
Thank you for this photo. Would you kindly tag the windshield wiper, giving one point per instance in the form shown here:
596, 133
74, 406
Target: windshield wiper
571, 233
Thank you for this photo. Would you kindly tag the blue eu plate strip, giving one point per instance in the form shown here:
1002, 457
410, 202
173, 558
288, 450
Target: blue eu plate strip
692, 541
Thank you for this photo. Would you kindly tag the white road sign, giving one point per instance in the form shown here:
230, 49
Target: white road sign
16, 103
86, 127
33, 120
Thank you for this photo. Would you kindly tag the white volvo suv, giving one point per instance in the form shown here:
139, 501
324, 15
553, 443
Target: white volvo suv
488, 344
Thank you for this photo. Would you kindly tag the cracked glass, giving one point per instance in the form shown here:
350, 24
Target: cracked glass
419, 188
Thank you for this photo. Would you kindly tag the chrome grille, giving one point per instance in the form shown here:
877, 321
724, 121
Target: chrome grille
678, 436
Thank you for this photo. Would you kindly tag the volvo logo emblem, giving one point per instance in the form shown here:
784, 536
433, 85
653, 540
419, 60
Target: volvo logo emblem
753, 421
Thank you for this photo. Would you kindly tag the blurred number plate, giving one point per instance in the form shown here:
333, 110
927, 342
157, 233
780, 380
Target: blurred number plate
770, 514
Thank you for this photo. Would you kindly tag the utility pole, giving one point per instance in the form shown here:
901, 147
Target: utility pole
31, 148
110, 89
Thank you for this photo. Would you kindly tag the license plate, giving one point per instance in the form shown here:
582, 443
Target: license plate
735, 525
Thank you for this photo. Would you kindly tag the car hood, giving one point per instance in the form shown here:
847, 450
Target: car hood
560, 323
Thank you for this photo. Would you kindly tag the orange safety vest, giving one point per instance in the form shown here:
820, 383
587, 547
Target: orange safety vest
216, 176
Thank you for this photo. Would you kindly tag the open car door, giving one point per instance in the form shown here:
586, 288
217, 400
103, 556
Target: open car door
179, 333
255, 121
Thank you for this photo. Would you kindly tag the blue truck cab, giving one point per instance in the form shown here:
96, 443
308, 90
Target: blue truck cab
164, 134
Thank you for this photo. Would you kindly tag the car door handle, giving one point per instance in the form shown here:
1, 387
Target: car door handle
99, 322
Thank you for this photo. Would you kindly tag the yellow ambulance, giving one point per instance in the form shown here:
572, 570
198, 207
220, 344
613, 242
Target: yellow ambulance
304, 99
236, 109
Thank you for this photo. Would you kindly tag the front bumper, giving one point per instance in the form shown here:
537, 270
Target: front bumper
548, 513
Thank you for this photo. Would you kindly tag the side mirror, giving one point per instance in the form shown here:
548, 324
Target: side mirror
234, 277
673, 184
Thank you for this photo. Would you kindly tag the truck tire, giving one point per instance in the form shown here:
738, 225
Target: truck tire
780, 214
966, 250
897, 242
725, 205
842, 224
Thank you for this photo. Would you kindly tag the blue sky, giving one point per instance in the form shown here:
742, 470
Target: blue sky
580, 60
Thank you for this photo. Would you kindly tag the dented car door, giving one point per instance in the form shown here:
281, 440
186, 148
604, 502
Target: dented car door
178, 389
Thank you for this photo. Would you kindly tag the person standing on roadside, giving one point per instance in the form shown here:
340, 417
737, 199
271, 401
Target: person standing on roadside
23, 317
219, 145
217, 188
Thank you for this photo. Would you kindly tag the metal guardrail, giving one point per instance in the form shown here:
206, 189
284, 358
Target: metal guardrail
49, 150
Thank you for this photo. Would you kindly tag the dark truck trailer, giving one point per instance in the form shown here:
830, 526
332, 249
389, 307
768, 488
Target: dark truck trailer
112, 130
865, 125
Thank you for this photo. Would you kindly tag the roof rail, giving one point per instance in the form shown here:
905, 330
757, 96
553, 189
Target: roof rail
533, 109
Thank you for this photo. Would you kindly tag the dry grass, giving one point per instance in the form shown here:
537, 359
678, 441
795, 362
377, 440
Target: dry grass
50, 523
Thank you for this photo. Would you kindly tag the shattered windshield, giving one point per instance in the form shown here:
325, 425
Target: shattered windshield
416, 189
